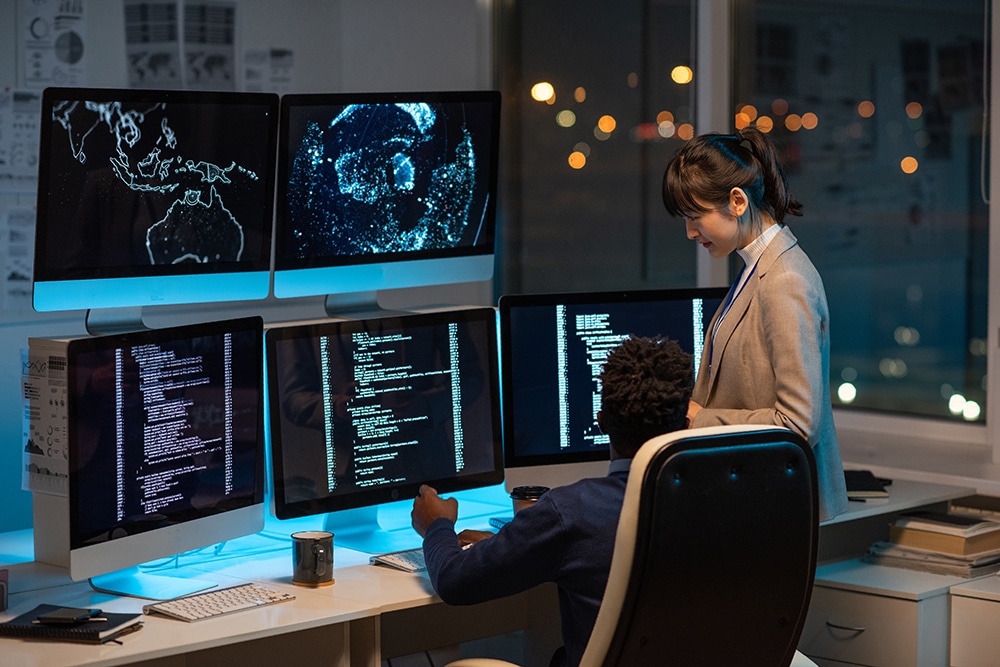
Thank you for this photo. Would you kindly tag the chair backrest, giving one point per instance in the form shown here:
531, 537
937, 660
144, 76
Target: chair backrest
715, 553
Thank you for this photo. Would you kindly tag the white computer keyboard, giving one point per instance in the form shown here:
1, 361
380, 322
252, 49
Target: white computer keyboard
410, 560
218, 602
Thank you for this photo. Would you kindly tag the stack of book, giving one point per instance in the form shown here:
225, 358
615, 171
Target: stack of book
942, 543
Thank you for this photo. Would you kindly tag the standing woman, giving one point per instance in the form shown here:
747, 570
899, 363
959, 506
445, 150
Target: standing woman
766, 357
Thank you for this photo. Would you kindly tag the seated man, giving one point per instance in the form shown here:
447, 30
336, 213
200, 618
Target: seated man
568, 536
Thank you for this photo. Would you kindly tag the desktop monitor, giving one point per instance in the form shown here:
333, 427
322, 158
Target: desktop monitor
362, 412
385, 190
149, 197
166, 448
553, 348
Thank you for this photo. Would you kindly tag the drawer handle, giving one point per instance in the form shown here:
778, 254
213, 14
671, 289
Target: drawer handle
848, 628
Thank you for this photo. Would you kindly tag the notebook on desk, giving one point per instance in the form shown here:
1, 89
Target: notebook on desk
109, 627
862, 485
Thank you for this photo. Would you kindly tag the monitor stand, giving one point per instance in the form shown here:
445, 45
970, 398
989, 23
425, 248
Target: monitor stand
358, 306
132, 582
352, 304
361, 530
103, 321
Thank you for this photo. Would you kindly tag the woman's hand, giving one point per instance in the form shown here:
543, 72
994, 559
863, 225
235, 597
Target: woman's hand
693, 410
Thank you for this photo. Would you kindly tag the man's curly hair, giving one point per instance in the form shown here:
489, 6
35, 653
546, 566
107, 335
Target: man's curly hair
645, 388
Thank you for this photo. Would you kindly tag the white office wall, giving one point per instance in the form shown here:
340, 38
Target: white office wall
345, 45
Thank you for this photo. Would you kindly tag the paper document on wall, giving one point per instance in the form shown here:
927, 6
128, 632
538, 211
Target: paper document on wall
45, 458
17, 228
20, 120
52, 36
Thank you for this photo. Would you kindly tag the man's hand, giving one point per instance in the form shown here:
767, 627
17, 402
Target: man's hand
428, 507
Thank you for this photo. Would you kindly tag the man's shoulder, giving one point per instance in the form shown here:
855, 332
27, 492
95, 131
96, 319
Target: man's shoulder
587, 502
588, 486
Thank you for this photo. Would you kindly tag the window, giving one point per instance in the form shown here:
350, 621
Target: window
878, 112
584, 157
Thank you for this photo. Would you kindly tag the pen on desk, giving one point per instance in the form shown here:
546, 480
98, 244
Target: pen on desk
89, 619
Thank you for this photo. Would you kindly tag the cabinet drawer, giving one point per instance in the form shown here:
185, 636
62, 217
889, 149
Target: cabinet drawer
974, 637
862, 628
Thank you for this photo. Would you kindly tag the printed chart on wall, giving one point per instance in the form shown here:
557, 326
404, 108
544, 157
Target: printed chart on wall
45, 460
17, 228
53, 41
269, 70
19, 128
19, 131
181, 44
152, 44
210, 45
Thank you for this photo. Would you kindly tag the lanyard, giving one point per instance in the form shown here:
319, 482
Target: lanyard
734, 293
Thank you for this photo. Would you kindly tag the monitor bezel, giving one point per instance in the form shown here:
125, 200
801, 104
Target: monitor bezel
356, 499
95, 559
57, 286
344, 274
510, 302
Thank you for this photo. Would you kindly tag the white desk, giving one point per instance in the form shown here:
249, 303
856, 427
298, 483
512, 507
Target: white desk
324, 619
903, 495
849, 535
369, 613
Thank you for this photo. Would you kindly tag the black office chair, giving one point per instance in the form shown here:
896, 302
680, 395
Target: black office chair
715, 553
